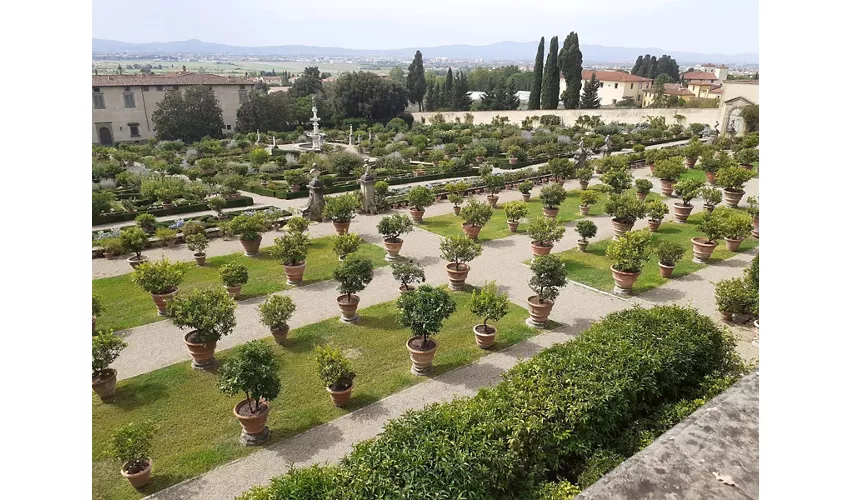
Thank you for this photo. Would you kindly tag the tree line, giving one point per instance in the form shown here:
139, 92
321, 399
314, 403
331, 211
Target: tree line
650, 67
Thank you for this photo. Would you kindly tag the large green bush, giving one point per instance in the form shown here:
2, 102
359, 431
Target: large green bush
548, 417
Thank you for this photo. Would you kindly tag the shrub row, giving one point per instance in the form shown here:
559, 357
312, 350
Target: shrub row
545, 420
242, 201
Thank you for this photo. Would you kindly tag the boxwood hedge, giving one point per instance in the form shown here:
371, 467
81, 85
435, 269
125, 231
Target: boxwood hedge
546, 419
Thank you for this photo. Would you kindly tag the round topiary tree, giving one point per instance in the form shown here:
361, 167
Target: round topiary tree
489, 305
252, 370
352, 275
209, 313
548, 276
423, 311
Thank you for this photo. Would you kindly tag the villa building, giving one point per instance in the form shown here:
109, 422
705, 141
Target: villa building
616, 86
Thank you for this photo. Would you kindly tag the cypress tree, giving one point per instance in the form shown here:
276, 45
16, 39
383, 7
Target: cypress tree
511, 99
590, 98
637, 65
462, 102
430, 95
653, 68
537, 79
551, 78
416, 85
569, 61
644, 66
439, 101
447, 91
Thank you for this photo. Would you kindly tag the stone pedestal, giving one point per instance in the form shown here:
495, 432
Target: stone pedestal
316, 201
255, 439
367, 189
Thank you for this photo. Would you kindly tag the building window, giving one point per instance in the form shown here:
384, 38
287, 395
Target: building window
243, 96
97, 101
129, 100
95, 89
228, 127
145, 89
633, 86
126, 89
241, 87
159, 88
615, 85
134, 129
614, 101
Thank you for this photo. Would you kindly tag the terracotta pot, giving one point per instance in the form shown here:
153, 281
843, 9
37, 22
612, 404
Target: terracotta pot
138, 479
551, 213
667, 187
652, 168
541, 248
161, 300
732, 198
584, 209
405, 289
340, 398
708, 208
666, 271
482, 339
348, 305
733, 245
471, 231
623, 282
417, 215
512, 161
252, 247
539, 311
393, 248
710, 178
681, 212
104, 384
513, 225
254, 430
621, 228
479, 158
702, 250
653, 225
295, 274
203, 355
457, 275
584, 184
582, 245
690, 162
641, 196
108, 255
294, 188
280, 334
727, 316
341, 227
746, 166
755, 231
526, 196
136, 261
200, 258
492, 199
422, 360
234, 291
456, 210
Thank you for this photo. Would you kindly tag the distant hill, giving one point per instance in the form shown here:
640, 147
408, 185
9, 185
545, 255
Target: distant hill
518, 51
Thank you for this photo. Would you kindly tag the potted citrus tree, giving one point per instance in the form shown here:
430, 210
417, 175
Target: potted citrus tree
586, 229
669, 253
198, 243
619, 181
353, 275
336, 373
544, 233
419, 198
525, 188
655, 212
146, 222
494, 184
209, 315
514, 153
134, 240
341, 209
291, 250
392, 227
587, 198
668, 172
346, 244
131, 445
711, 197
643, 187
624, 209
423, 311
712, 163
233, 276
548, 276
490, 305
693, 150
734, 296
275, 312
514, 211
167, 236
732, 180
584, 175
475, 214
629, 252
552, 196
455, 192
712, 227
753, 210
746, 157
105, 348
458, 250
408, 273
250, 228
217, 204
687, 190
736, 226
161, 279
251, 370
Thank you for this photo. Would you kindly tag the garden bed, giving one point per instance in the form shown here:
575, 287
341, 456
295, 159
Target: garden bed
111, 218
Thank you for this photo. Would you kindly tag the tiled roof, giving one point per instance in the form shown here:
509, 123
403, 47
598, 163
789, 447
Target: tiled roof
700, 75
716, 90
180, 78
672, 89
613, 76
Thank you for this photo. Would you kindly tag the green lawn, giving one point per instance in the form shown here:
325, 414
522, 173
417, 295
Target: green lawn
593, 267
497, 226
195, 427
126, 305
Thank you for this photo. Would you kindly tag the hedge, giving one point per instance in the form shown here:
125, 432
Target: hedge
242, 201
545, 420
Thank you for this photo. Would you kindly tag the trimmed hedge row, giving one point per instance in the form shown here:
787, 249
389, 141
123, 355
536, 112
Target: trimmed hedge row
242, 201
545, 420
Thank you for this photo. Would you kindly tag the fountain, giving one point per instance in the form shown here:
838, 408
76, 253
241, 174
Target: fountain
317, 137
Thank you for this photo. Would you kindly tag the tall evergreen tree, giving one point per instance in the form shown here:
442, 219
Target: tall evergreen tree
448, 95
511, 99
430, 96
462, 102
569, 61
644, 66
416, 80
653, 68
590, 97
439, 101
188, 115
551, 78
537, 80
637, 65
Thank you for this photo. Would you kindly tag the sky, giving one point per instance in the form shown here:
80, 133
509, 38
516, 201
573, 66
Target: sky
718, 26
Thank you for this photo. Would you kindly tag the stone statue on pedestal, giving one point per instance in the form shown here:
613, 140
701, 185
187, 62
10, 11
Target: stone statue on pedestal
351, 135
581, 155
367, 189
316, 200
606, 147
258, 138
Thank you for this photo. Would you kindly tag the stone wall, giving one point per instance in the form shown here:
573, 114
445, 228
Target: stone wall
568, 116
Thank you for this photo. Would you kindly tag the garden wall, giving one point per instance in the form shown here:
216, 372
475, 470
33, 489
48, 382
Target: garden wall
569, 116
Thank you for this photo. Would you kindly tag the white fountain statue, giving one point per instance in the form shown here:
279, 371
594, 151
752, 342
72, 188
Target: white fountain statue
317, 136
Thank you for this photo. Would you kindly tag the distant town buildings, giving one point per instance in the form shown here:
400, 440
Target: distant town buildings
616, 86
